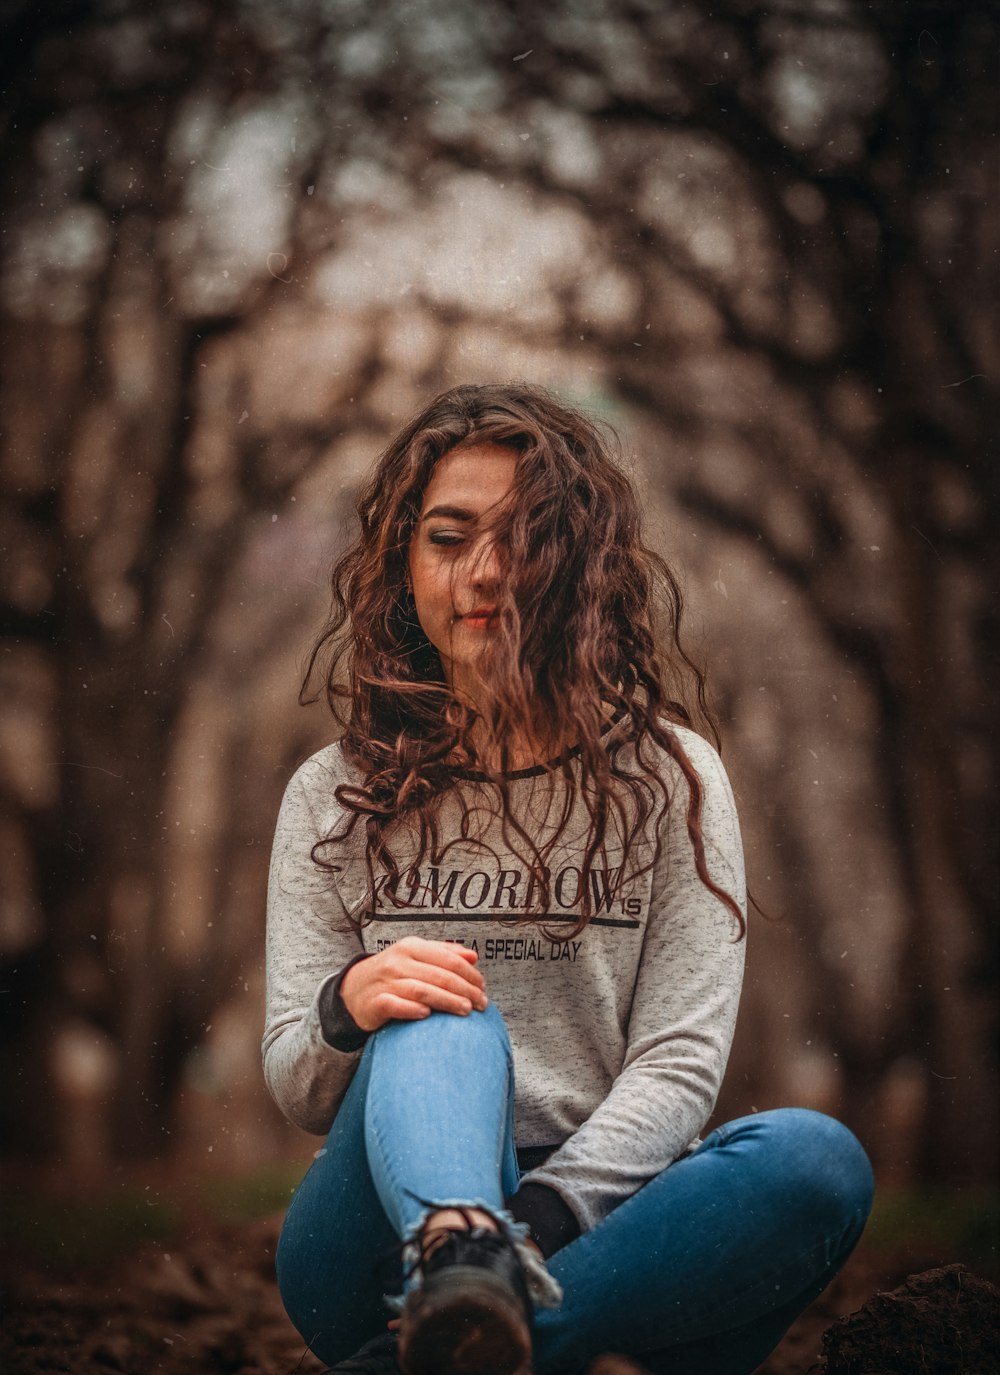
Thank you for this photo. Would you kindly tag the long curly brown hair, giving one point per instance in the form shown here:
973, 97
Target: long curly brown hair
587, 631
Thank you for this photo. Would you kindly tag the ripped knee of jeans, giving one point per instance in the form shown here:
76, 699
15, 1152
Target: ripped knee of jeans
544, 1289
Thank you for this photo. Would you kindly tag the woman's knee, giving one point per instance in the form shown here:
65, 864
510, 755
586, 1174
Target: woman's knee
823, 1163
442, 1030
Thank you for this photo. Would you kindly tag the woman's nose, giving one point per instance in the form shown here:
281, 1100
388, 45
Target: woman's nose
485, 566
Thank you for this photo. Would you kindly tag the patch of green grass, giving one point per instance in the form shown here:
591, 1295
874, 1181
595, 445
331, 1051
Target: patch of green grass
248, 1197
956, 1224
79, 1232
55, 1231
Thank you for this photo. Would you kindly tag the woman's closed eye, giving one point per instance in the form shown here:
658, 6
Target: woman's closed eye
446, 537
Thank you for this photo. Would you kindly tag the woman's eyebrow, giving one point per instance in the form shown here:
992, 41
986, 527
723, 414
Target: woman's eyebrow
449, 512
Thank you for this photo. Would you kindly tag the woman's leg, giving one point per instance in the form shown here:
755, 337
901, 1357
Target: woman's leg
333, 1235
705, 1268
439, 1117
446, 1148
426, 1121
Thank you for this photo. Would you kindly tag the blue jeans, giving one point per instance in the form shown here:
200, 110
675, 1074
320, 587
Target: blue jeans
701, 1270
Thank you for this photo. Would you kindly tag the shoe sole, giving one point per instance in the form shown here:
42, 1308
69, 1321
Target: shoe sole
464, 1323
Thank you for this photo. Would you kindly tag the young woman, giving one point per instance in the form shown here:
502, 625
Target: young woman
505, 944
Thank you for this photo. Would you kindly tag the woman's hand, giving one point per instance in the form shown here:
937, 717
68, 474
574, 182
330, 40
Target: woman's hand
411, 978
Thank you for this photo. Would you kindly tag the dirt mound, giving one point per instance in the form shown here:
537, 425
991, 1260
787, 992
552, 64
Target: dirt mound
205, 1303
940, 1322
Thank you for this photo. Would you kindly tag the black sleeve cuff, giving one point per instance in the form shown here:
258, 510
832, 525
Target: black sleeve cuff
552, 1222
340, 1030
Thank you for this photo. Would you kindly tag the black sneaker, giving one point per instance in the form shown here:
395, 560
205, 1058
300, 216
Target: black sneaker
471, 1314
377, 1357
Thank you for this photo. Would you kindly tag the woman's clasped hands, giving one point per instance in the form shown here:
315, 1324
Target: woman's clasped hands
410, 979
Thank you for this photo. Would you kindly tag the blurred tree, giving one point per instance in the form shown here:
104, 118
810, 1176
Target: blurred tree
134, 482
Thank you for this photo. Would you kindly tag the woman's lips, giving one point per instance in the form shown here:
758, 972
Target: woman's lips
479, 617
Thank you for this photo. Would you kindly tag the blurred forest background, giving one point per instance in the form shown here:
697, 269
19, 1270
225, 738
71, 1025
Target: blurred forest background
242, 242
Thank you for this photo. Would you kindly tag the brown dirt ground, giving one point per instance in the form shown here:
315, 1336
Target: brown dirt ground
206, 1302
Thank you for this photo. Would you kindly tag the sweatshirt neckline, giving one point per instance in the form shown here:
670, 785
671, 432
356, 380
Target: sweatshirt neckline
536, 770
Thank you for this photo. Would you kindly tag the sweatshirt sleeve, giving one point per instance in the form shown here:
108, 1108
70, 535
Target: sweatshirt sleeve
309, 942
682, 1016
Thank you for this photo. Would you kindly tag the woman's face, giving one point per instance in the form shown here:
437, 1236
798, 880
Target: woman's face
455, 570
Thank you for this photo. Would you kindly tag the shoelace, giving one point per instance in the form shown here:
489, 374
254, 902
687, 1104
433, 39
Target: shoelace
429, 1241
452, 1241
543, 1289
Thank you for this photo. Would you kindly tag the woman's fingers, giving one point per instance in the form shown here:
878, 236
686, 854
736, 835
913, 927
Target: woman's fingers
421, 989
417, 999
392, 1007
444, 954
444, 978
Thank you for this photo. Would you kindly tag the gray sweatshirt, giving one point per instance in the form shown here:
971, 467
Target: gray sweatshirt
620, 1036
